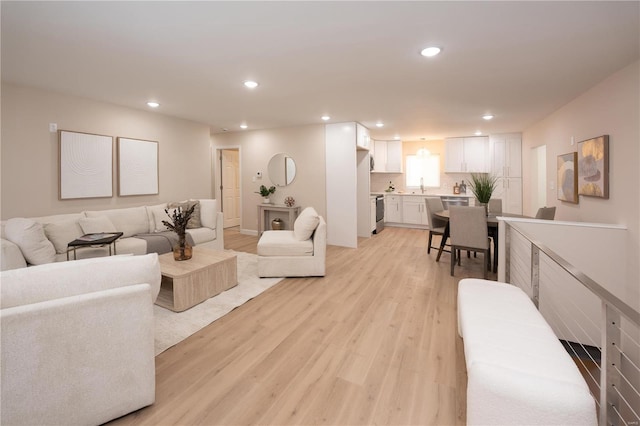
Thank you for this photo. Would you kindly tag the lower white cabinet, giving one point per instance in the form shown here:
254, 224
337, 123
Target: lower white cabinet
393, 208
510, 191
414, 210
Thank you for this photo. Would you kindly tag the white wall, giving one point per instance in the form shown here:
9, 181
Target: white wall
30, 151
342, 185
305, 144
612, 107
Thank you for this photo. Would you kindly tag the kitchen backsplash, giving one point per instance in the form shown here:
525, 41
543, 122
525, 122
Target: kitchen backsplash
380, 182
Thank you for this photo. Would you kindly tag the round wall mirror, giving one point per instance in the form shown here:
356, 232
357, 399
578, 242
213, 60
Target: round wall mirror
282, 169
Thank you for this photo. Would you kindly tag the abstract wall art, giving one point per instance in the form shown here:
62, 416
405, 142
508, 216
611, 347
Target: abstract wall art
86, 165
137, 167
567, 178
593, 167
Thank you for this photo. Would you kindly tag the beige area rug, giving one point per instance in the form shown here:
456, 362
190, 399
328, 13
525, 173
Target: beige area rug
173, 327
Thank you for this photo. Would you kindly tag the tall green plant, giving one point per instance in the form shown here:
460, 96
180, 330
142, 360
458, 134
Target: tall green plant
482, 185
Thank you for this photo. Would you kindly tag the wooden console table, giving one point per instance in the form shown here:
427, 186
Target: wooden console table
263, 209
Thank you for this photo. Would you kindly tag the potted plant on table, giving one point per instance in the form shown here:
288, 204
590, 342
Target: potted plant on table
265, 192
482, 185
179, 219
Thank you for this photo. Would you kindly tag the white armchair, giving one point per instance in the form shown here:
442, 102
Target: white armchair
289, 254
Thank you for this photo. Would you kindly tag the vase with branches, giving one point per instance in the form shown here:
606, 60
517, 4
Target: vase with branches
482, 185
178, 224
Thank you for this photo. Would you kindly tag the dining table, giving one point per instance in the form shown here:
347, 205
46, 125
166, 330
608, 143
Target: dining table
492, 231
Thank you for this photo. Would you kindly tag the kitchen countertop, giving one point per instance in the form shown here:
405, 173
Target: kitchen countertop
467, 195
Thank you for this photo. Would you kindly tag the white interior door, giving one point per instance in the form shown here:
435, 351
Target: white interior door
230, 166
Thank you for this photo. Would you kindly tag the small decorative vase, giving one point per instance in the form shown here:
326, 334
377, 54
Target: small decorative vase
266, 200
486, 208
183, 250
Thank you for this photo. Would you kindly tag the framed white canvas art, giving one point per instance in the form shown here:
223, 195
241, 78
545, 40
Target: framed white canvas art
137, 167
86, 165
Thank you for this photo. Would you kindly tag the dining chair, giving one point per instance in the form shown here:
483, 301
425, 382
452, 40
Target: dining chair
547, 213
468, 231
436, 225
495, 206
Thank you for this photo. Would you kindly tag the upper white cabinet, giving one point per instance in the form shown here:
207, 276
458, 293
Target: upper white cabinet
387, 156
507, 166
467, 155
507, 155
363, 140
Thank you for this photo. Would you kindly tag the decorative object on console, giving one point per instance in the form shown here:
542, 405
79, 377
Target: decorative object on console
137, 167
277, 224
179, 219
568, 178
593, 167
482, 185
289, 202
391, 187
463, 187
265, 192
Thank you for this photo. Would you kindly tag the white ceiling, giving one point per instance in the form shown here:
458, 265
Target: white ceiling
356, 61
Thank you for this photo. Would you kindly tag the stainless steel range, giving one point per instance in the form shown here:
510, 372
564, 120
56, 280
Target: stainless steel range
379, 214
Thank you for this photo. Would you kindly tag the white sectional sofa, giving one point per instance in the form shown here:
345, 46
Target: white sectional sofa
44, 239
77, 340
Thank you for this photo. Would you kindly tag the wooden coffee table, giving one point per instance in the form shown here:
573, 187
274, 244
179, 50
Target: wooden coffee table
186, 283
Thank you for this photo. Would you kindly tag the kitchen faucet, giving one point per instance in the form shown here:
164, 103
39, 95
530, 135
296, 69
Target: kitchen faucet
422, 185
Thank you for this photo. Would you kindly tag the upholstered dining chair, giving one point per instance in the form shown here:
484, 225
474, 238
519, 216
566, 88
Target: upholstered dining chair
436, 225
495, 206
468, 231
547, 213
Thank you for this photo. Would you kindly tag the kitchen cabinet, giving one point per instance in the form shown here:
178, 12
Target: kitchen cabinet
467, 155
363, 141
507, 166
509, 190
507, 155
387, 156
414, 210
393, 208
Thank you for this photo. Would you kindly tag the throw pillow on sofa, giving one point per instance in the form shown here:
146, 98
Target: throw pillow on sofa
29, 236
209, 213
305, 224
93, 225
194, 221
62, 233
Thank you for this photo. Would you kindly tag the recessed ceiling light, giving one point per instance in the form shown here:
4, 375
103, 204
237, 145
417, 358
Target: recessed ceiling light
478, 133
379, 124
251, 84
325, 117
243, 126
487, 116
153, 104
430, 51
396, 138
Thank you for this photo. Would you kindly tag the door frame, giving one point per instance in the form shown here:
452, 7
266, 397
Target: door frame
217, 175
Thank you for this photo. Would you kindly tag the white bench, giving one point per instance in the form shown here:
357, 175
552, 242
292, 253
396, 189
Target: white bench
518, 371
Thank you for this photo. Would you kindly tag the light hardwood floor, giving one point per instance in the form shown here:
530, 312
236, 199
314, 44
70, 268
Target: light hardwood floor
373, 342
